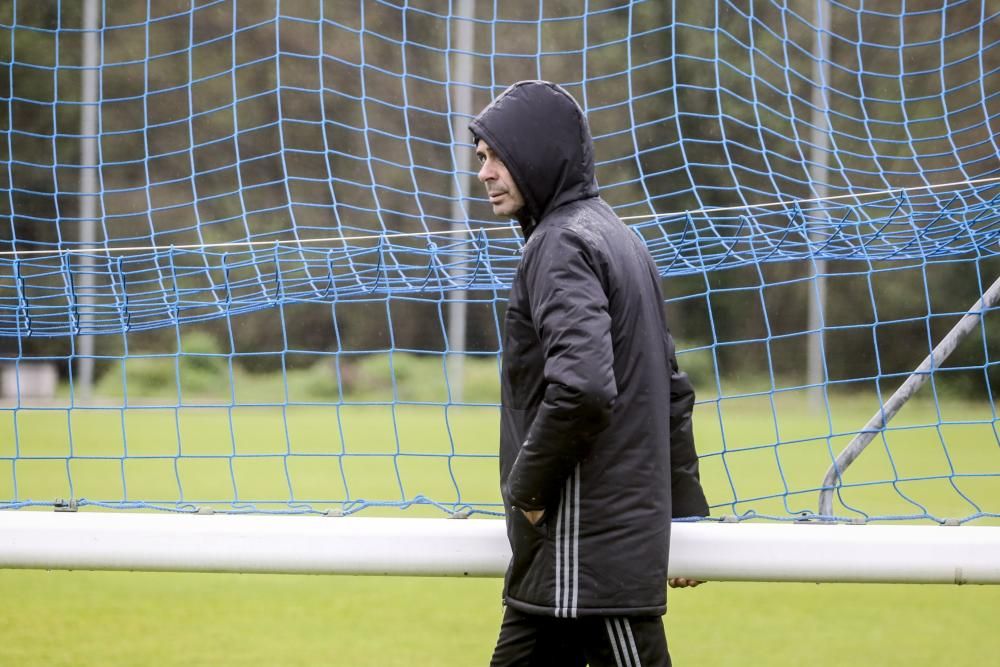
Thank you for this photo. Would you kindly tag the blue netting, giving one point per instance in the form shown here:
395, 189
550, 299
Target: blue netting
284, 217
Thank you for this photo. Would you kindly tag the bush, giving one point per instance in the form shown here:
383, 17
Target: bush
198, 369
419, 377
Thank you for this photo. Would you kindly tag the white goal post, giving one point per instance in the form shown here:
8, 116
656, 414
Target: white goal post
712, 551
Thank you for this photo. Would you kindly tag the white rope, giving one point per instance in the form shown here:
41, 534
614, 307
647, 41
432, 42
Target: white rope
791, 202
471, 231
246, 244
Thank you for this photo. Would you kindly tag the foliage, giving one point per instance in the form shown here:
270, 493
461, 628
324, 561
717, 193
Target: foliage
202, 371
676, 99
197, 370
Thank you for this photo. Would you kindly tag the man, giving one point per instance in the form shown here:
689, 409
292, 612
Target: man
596, 447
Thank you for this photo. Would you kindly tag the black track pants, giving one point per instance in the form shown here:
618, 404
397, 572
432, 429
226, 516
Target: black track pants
599, 641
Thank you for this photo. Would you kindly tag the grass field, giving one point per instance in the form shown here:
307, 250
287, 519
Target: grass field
117, 619
941, 460
84, 619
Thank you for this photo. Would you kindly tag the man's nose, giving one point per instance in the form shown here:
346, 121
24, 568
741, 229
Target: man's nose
486, 172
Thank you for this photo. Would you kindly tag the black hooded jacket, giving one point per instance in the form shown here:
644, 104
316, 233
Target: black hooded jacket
595, 417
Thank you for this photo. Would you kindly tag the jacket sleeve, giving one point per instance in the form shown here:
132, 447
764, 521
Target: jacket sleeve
687, 496
569, 308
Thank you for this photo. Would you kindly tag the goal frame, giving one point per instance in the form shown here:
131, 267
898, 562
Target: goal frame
705, 550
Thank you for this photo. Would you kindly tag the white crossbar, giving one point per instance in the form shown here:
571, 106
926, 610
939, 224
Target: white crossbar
472, 547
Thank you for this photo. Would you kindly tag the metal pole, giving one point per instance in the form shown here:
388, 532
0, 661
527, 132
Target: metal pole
818, 173
917, 379
88, 189
461, 91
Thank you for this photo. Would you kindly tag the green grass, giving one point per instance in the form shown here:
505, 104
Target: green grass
106, 619
322, 455
118, 619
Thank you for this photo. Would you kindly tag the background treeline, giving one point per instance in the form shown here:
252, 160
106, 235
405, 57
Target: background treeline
223, 121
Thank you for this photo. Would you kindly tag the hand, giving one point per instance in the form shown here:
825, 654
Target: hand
533, 516
681, 582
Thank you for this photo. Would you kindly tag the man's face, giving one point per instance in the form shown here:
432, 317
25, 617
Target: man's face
500, 187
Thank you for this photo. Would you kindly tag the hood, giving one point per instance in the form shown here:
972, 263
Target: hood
540, 133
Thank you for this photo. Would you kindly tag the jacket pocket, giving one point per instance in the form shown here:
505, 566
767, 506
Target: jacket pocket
523, 362
526, 528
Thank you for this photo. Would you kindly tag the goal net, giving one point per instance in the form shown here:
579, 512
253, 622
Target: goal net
246, 267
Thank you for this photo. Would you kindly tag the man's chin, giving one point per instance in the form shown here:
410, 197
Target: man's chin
505, 210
